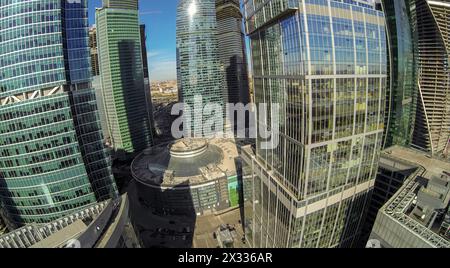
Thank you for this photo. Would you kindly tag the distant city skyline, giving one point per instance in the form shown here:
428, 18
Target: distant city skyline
160, 20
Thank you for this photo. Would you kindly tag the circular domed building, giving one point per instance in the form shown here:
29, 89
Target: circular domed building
188, 176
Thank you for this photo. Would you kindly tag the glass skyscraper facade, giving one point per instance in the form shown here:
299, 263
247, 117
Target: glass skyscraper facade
199, 70
144, 50
325, 63
52, 158
431, 21
94, 51
402, 89
127, 104
232, 51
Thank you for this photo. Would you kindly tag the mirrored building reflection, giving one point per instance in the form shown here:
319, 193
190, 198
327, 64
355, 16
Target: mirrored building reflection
199, 70
325, 63
402, 89
52, 158
125, 96
232, 50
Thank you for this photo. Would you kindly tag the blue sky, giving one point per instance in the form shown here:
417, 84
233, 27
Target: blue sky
159, 17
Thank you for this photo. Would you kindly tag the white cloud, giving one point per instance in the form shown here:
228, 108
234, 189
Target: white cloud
153, 54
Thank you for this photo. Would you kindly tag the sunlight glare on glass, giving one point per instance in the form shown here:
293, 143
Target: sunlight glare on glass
192, 9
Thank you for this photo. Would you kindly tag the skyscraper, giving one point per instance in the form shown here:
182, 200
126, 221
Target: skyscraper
94, 51
431, 20
124, 94
324, 62
96, 80
147, 88
409, 57
390, 178
232, 50
402, 89
199, 69
52, 158
144, 50
418, 214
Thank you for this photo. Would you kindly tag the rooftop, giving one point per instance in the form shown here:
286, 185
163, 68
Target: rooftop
418, 158
186, 162
93, 223
422, 204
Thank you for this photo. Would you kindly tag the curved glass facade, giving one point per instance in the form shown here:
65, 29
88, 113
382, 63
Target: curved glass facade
52, 158
325, 63
402, 93
232, 50
430, 26
199, 68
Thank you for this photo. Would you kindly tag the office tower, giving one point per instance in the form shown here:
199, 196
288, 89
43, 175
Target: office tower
121, 4
144, 50
431, 20
324, 63
124, 94
418, 215
402, 89
94, 51
101, 225
96, 80
97, 86
390, 178
52, 158
232, 50
146, 74
199, 70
